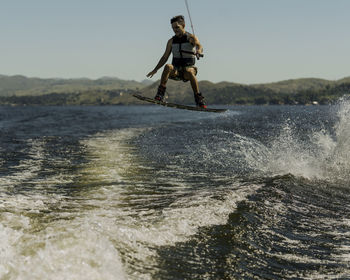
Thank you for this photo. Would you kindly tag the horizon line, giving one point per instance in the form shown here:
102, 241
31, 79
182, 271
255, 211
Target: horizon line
150, 81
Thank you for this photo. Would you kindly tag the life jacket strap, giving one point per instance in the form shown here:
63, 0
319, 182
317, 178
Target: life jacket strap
182, 51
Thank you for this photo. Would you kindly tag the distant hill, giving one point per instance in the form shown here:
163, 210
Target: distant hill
20, 90
147, 82
20, 85
344, 80
296, 85
297, 91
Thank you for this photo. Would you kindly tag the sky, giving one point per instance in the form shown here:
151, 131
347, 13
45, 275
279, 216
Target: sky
244, 41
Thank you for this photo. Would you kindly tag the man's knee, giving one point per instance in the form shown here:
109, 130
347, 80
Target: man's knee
190, 74
168, 67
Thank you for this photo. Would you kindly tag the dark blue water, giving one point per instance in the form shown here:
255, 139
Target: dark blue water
146, 192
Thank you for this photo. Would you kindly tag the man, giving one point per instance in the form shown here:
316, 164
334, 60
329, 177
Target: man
185, 47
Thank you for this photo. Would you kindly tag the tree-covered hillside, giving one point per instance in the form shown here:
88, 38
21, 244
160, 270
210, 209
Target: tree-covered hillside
19, 90
21, 85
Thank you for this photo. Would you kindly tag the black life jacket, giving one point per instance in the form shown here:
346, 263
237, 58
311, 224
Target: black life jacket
184, 53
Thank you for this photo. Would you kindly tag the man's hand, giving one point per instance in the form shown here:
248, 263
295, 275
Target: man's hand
199, 55
150, 74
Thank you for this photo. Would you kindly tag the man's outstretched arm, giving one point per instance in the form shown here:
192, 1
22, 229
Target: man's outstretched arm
163, 59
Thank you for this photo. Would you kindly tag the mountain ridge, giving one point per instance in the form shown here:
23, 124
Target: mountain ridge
20, 85
21, 90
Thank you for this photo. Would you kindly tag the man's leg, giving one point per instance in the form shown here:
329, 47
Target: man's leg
168, 71
190, 74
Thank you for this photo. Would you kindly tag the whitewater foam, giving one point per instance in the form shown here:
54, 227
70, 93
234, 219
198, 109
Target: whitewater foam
317, 154
46, 235
323, 156
27, 168
121, 211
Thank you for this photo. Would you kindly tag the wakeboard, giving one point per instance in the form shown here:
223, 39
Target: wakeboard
178, 106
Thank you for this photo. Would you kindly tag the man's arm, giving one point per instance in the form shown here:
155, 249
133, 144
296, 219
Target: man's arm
163, 59
195, 42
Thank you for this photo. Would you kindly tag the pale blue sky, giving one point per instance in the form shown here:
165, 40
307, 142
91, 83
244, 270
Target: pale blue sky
245, 41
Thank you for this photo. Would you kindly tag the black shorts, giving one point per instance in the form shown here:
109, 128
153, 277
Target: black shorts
180, 73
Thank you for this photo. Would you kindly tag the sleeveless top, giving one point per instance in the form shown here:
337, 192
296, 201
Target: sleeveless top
183, 51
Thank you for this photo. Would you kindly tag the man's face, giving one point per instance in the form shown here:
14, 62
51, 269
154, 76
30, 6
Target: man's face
178, 28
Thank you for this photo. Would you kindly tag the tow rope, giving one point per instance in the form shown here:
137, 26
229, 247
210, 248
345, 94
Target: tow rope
189, 16
198, 55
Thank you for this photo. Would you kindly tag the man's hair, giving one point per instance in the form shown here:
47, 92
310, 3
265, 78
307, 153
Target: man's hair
177, 18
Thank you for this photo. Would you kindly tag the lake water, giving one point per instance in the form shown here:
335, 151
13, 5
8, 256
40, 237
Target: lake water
146, 192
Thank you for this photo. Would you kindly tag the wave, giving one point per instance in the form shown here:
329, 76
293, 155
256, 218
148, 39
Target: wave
122, 210
46, 233
27, 168
149, 208
315, 152
324, 155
